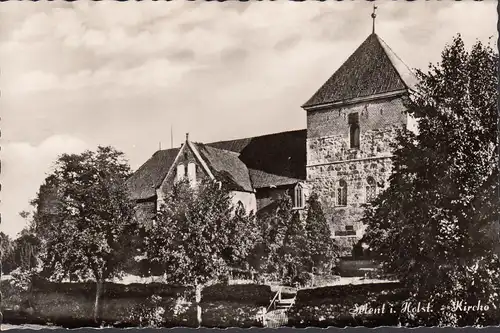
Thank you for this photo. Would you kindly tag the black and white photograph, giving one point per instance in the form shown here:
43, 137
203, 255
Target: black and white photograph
238, 164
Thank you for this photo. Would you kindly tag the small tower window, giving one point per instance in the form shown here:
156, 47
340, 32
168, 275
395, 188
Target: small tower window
342, 193
371, 189
298, 198
354, 130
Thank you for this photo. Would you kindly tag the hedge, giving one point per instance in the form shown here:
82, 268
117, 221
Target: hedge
242, 293
112, 290
71, 305
223, 314
341, 292
331, 306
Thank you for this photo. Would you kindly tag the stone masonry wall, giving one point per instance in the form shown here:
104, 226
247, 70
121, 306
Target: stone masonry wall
328, 131
330, 159
324, 180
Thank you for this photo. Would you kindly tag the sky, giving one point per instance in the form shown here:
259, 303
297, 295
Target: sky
82, 74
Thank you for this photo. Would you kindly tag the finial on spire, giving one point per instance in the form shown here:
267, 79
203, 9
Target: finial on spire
374, 15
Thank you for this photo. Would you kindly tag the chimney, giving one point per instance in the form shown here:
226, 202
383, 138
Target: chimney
187, 136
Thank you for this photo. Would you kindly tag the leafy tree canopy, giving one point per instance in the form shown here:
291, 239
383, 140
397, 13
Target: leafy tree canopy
295, 244
6, 253
199, 235
430, 224
84, 217
322, 250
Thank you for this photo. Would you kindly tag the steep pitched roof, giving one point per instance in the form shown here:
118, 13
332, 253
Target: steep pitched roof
227, 167
371, 70
263, 161
282, 154
144, 182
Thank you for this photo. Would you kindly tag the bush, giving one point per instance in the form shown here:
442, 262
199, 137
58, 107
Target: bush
303, 279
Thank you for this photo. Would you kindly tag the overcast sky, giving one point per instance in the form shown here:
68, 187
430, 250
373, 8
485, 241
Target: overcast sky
77, 75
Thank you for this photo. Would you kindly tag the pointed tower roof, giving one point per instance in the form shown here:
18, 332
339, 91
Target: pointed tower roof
372, 69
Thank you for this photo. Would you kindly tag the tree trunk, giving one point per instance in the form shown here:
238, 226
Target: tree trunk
198, 288
98, 296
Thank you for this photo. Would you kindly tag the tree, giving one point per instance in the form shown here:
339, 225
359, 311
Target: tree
291, 246
25, 250
321, 247
243, 236
293, 251
196, 235
85, 219
430, 224
273, 225
26, 246
6, 253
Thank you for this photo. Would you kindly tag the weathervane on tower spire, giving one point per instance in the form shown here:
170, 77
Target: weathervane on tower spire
373, 18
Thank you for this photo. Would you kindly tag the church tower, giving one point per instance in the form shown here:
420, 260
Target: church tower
351, 121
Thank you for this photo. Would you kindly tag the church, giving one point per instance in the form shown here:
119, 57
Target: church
344, 154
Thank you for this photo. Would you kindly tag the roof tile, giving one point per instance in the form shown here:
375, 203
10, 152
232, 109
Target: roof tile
274, 159
371, 70
227, 166
143, 183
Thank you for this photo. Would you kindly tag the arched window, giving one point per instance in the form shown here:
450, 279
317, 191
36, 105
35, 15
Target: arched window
342, 193
371, 189
191, 172
298, 197
354, 130
181, 172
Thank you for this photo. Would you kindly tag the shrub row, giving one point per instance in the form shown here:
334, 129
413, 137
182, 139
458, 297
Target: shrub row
336, 315
71, 305
342, 292
331, 306
223, 314
253, 293
242, 293
72, 312
112, 290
